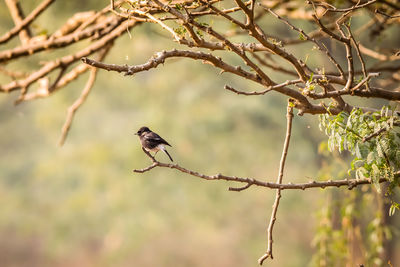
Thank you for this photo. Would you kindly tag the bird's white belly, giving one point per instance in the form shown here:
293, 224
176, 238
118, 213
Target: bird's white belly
156, 149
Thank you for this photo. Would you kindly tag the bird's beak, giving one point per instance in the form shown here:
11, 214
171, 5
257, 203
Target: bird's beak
136, 134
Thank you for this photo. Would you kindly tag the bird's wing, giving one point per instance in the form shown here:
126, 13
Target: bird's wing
153, 137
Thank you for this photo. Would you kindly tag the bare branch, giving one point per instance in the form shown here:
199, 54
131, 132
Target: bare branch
377, 55
289, 116
225, 15
75, 106
160, 57
349, 183
43, 90
28, 20
59, 42
18, 16
386, 15
321, 47
230, 88
162, 24
331, 8
67, 60
356, 45
269, 88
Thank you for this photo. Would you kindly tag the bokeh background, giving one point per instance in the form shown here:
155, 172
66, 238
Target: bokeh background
81, 204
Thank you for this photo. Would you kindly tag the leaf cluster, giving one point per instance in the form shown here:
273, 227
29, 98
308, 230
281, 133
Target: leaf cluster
372, 138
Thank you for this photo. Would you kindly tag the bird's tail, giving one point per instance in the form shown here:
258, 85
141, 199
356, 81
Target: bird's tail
166, 152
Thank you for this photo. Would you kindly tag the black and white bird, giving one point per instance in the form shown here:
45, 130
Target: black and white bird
152, 142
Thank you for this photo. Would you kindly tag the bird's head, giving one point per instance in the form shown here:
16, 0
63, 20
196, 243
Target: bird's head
143, 130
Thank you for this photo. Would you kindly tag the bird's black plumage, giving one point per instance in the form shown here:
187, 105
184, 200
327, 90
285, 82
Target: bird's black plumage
152, 141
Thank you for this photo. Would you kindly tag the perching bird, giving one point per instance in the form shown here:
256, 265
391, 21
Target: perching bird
152, 141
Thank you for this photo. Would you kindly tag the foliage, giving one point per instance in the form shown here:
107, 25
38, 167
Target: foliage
372, 138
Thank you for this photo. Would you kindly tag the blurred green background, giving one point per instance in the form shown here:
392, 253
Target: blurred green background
81, 204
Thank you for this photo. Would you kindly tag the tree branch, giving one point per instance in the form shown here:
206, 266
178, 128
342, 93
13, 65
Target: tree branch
69, 59
75, 106
18, 16
59, 42
28, 20
160, 57
350, 183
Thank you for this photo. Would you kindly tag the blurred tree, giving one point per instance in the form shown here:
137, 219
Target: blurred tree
330, 63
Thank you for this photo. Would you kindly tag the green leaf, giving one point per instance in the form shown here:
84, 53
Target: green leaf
331, 145
358, 152
375, 173
357, 163
379, 149
371, 157
360, 173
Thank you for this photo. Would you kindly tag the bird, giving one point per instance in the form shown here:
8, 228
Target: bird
152, 142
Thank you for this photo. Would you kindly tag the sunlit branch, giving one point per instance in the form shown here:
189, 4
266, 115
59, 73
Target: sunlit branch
17, 15
28, 20
43, 90
67, 60
76, 105
59, 42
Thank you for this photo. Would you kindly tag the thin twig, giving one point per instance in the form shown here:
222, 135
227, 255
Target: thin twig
273, 66
353, 8
162, 24
289, 117
43, 91
356, 45
75, 106
18, 16
386, 15
230, 88
320, 47
269, 88
376, 133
